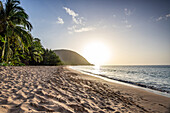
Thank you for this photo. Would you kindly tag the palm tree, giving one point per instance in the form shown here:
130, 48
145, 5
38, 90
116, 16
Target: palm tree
36, 51
14, 28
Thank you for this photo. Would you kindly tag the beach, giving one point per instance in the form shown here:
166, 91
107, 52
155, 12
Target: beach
61, 89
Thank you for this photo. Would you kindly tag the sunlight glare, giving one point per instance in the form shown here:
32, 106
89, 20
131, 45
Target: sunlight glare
96, 53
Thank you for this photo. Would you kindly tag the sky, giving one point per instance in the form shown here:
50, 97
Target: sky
135, 32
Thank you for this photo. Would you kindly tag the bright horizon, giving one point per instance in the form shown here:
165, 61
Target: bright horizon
126, 32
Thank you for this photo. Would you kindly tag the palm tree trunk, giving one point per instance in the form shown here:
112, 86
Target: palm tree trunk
7, 55
3, 51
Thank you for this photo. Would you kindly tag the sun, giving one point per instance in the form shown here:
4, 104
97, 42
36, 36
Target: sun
96, 53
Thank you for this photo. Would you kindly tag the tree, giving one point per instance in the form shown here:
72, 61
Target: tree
36, 51
14, 29
50, 58
17, 46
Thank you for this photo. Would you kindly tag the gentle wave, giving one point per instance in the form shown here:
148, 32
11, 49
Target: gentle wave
155, 77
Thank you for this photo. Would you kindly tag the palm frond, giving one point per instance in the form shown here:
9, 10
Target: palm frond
20, 42
25, 35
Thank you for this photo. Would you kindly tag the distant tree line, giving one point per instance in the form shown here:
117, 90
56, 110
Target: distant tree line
17, 45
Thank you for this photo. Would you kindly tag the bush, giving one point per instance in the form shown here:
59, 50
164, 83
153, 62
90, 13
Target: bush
50, 58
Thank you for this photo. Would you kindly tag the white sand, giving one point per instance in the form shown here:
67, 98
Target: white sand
59, 89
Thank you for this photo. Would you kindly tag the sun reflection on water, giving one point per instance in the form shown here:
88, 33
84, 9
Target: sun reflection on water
96, 69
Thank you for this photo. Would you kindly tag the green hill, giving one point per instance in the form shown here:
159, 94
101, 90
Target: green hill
69, 57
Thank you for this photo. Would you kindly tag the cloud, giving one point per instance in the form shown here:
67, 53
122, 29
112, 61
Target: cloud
160, 18
127, 12
165, 17
78, 22
70, 12
83, 29
168, 15
60, 21
79, 29
128, 26
72, 28
75, 17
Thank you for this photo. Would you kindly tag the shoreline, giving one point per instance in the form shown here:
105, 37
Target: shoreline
126, 88
131, 84
62, 89
149, 88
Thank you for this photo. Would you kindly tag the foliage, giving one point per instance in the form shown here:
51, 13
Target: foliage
35, 52
17, 46
50, 58
14, 29
6, 64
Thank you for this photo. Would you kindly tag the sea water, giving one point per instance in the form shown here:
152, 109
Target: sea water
156, 77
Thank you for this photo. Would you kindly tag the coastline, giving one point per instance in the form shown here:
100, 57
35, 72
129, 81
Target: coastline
61, 89
147, 98
131, 84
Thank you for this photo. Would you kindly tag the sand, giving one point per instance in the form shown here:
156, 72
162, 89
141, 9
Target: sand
60, 89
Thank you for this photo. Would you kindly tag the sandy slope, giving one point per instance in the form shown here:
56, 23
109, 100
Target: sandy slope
58, 89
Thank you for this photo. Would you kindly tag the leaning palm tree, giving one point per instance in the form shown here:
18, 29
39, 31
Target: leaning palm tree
14, 28
36, 51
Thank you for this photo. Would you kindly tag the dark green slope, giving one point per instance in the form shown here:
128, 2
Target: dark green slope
69, 57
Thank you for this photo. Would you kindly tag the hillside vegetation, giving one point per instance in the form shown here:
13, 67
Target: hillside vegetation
69, 57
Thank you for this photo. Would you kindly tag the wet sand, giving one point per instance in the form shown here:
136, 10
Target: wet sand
60, 89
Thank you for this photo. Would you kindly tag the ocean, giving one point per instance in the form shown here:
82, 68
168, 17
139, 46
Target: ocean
156, 77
